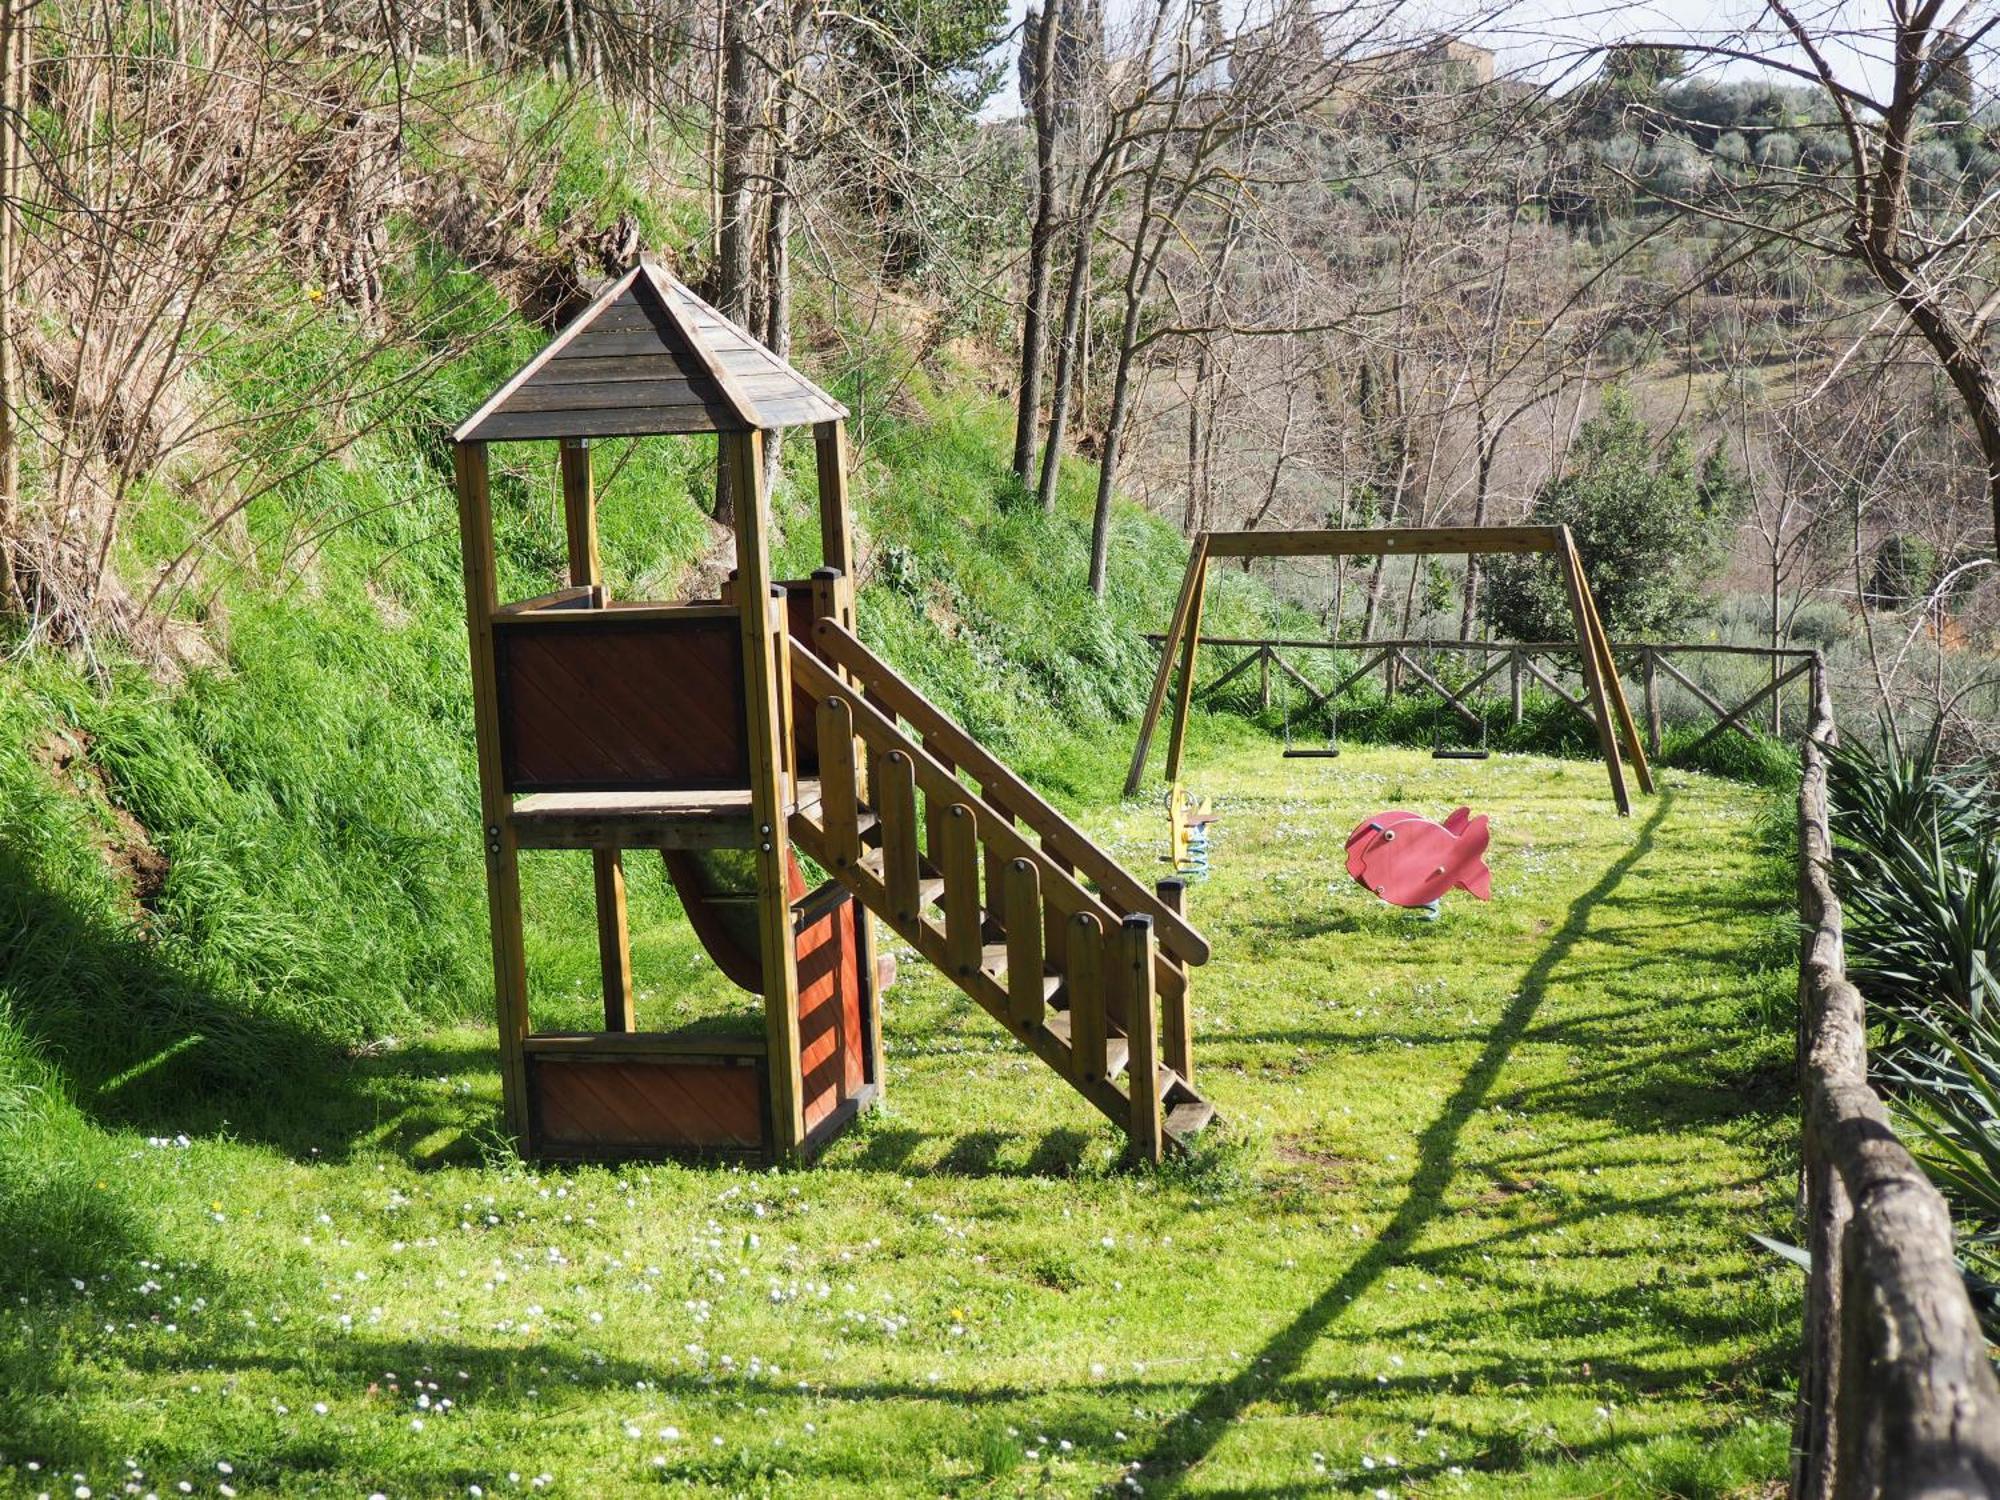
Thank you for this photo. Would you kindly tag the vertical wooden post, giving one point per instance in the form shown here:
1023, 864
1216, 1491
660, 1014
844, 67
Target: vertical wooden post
1514, 684
503, 871
1649, 668
1084, 967
1026, 995
1164, 673
1264, 678
838, 801
896, 806
836, 522
1593, 677
1184, 698
957, 856
1614, 686
766, 696
607, 866
1135, 962
1176, 1005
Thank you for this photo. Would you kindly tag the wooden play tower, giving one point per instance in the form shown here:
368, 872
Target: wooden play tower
726, 732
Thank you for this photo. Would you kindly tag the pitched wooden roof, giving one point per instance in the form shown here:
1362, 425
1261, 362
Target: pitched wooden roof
649, 356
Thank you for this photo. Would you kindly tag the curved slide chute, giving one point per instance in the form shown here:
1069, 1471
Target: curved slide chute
718, 888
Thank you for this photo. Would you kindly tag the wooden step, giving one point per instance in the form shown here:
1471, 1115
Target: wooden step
929, 887
993, 959
814, 811
1189, 1118
1117, 1051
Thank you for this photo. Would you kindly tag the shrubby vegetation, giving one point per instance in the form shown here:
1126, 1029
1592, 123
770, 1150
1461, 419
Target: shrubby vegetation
1918, 861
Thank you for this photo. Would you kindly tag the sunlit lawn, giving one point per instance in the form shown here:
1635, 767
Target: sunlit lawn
1478, 1223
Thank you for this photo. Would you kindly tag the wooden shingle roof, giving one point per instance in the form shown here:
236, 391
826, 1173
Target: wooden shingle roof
649, 356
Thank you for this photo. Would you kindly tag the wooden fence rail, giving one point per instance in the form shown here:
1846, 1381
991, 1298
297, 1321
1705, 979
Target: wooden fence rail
1897, 1395
1647, 662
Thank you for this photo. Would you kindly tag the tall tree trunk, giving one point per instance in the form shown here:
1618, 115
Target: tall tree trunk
777, 329
1072, 344
1041, 240
1107, 463
1191, 511
738, 231
13, 111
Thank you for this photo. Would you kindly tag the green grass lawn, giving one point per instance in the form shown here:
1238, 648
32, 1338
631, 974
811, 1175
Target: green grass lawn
1478, 1224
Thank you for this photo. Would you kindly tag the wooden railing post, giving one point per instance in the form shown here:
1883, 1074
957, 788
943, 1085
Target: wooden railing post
897, 791
1135, 962
1264, 678
1026, 994
1514, 684
1176, 1020
1086, 997
958, 863
839, 797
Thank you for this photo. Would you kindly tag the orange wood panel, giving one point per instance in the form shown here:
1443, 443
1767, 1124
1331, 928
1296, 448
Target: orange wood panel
824, 948
612, 1104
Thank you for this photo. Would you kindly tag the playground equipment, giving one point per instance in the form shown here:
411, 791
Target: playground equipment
1188, 821
1604, 695
725, 732
1408, 860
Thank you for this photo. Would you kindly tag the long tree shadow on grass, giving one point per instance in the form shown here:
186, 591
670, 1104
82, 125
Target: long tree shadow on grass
1191, 1435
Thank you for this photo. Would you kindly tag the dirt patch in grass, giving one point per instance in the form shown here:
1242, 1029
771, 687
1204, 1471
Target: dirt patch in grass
128, 849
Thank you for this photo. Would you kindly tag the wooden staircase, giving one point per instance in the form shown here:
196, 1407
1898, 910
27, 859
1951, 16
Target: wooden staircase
1081, 961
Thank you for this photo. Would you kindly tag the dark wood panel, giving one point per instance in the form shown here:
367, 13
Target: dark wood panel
589, 706
596, 395
649, 421
598, 342
655, 364
601, 1104
631, 312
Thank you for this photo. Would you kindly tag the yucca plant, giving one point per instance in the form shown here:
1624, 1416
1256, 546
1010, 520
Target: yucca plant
1917, 864
1948, 1103
1918, 868
1906, 788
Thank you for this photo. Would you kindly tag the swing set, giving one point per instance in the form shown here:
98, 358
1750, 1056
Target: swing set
1604, 696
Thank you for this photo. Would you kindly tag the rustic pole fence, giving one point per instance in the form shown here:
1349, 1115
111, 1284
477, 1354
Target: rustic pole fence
1651, 663
1897, 1395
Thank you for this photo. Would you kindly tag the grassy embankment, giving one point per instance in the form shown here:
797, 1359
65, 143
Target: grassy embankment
1480, 1226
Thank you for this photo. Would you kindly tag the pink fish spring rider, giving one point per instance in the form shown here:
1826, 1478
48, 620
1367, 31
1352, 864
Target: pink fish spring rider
1408, 860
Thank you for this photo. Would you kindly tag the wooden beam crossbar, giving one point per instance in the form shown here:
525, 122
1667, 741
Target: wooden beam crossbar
1260, 654
1472, 720
1733, 719
1549, 682
1604, 695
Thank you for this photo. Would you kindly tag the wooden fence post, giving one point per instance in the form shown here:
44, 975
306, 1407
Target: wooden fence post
1650, 680
1514, 684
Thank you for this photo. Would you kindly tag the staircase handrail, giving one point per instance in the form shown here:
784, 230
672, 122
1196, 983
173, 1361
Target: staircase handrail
1059, 887
1120, 891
